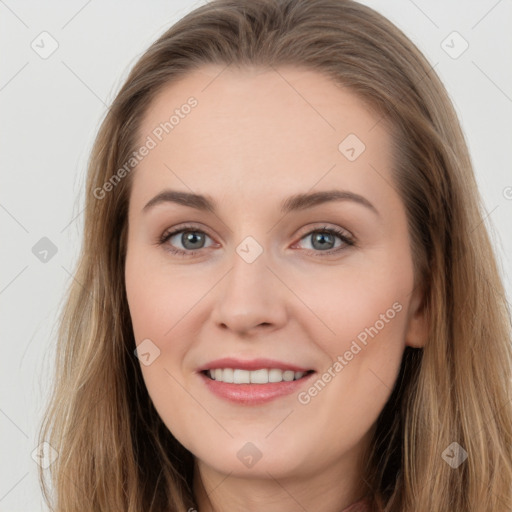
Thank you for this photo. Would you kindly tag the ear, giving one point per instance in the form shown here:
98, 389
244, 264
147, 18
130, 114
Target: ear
416, 333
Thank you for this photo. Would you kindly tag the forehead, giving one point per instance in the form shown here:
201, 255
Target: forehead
261, 129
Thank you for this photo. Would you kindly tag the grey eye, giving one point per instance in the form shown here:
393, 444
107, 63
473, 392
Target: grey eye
190, 240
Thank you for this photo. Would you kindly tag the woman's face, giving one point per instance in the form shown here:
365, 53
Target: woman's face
293, 256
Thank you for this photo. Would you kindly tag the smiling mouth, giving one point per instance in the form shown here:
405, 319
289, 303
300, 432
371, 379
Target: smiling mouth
260, 376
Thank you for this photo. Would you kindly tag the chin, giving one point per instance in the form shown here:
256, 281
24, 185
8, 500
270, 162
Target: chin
253, 457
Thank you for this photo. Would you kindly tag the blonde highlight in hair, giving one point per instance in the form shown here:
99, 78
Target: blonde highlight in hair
115, 453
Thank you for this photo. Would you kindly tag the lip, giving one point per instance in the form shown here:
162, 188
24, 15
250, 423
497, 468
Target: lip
253, 394
252, 364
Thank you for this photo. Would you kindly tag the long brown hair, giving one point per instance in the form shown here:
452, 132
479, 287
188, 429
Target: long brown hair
116, 454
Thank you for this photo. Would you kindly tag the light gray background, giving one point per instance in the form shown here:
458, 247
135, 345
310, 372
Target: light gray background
51, 109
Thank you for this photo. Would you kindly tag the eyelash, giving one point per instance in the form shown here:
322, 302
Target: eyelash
347, 240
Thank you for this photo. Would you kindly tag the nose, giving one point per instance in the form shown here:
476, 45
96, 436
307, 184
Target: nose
251, 298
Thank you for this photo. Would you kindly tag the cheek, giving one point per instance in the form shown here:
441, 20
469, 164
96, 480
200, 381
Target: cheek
367, 306
362, 332
158, 309
364, 357
159, 299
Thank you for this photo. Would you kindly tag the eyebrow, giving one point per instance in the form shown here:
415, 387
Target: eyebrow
293, 203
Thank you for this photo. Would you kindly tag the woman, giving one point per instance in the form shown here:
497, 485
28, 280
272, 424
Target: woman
209, 360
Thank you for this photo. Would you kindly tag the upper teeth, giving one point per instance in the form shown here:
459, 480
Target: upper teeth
262, 376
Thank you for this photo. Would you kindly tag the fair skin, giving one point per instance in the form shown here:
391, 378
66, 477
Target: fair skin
254, 140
